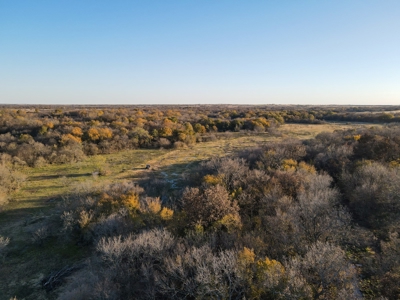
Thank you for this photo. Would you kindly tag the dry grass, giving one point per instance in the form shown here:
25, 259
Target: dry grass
308, 131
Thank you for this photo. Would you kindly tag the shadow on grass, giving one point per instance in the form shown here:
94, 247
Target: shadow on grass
27, 207
58, 176
174, 176
17, 214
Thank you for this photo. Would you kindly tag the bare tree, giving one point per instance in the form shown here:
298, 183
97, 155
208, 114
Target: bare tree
373, 191
326, 271
317, 215
207, 206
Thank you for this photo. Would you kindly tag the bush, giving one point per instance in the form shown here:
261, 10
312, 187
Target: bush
40, 235
164, 143
207, 206
179, 145
4, 241
324, 273
373, 192
10, 181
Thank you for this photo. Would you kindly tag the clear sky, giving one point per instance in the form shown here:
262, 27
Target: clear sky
199, 51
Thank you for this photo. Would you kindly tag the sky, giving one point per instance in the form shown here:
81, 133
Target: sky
200, 52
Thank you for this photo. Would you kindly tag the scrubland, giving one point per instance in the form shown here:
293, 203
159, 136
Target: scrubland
255, 208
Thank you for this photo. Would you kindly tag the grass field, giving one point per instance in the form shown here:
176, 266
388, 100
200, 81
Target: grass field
37, 201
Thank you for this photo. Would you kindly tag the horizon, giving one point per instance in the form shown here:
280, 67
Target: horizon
200, 53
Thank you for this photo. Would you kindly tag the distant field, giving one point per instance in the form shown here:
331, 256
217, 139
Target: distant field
307, 131
378, 112
45, 186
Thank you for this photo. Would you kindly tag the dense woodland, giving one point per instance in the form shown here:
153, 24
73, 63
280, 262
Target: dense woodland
310, 219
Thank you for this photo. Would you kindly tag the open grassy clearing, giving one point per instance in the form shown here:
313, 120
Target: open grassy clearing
308, 131
36, 203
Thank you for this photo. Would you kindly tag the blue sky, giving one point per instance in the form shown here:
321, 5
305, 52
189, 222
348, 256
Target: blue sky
191, 52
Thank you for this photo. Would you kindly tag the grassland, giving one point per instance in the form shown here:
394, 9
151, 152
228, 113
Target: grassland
37, 202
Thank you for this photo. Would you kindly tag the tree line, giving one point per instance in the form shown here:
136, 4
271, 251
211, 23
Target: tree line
38, 136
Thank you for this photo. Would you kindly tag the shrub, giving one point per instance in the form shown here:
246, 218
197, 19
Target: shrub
208, 206
4, 241
164, 143
327, 273
179, 145
373, 192
40, 235
166, 213
10, 181
151, 205
105, 171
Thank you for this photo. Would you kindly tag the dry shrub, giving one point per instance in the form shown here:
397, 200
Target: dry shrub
209, 138
91, 149
327, 273
180, 145
230, 172
166, 213
10, 181
40, 162
373, 192
85, 218
93, 210
208, 206
151, 205
124, 268
4, 241
164, 143
40, 235
131, 200
105, 171
4, 198
113, 225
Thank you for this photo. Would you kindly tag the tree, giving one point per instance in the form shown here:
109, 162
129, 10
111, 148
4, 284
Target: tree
373, 192
317, 215
326, 271
206, 206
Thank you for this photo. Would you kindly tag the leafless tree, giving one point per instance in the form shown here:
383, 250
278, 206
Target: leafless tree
326, 271
207, 206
